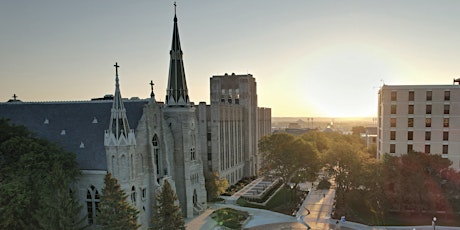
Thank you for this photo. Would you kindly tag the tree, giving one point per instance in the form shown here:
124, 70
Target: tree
288, 156
215, 186
32, 172
167, 214
114, 210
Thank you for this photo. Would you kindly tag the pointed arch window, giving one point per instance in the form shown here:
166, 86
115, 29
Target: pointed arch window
92, 204
195, 198
156, 153
133, 195
192, 149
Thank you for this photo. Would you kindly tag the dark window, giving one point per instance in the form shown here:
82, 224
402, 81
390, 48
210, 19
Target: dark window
446, 122
392, 148
446, 95
410, 109
156, 152
445, 136
428, 122
410, 135
409, 148
92, 204
393, 96
427, 136
428, 109
393, 109
446, 109
445, 149
392, 122
410, 122
411, 95
133, 195
427, 148
392, 135
429, 95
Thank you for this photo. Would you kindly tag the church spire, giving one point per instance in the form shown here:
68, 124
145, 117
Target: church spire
176, 93
119, 126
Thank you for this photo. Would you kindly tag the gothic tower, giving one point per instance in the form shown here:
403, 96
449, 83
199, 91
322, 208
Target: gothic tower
180, 117
119, 140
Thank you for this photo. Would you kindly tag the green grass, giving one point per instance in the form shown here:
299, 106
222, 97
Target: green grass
230, 218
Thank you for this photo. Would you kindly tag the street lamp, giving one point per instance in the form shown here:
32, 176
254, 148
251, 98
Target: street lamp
434, 223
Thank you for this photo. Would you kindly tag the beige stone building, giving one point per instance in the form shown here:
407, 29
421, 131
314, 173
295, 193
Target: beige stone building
423, 118
233, 124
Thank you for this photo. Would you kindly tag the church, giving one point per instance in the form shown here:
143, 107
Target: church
145, 142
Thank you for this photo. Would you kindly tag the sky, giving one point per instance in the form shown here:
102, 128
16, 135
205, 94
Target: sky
310, 58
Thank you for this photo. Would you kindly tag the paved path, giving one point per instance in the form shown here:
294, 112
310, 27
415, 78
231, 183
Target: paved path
317, 204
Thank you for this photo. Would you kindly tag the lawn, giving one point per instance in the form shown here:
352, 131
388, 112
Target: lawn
230, 218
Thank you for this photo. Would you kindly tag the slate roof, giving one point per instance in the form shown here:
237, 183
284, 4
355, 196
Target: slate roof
49, 119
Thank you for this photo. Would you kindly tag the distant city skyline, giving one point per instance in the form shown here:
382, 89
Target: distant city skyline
309, 58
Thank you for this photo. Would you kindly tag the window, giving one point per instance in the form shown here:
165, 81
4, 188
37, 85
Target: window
192, 149
427, 136
410, 135
446, 122
392, 148
410, 109
410, 122
192, 154
392, 122
156, 153
92, 204
427, 122
446, 109
445, 149
411, 95
446, 95
429, 95
144, 193
222, 96
393, 96
427, 148
392, 135
445, 136
409, 148
133, 195
393, 109
428, 109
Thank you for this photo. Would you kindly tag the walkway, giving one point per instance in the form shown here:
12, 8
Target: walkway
317, 204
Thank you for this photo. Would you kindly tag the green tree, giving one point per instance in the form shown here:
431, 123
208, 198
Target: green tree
32, 172
114, 210
215, 186
167, 214
288, 156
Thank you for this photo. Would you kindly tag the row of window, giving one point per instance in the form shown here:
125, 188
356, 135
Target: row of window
445, 148
410, 122
428, 109
428, 95
410, 135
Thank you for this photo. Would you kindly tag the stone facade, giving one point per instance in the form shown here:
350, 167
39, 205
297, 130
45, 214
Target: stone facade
144, 143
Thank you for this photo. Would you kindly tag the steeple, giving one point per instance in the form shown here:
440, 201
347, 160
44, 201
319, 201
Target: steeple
119, 131
176, 93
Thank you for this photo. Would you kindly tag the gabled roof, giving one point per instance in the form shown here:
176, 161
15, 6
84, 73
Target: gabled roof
76, 126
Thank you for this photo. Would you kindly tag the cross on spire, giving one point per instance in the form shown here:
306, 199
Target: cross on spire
116, 68
175, 8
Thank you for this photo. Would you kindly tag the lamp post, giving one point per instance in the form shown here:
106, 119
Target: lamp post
434, 223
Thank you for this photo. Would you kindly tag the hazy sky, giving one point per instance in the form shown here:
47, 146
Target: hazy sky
309, 58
